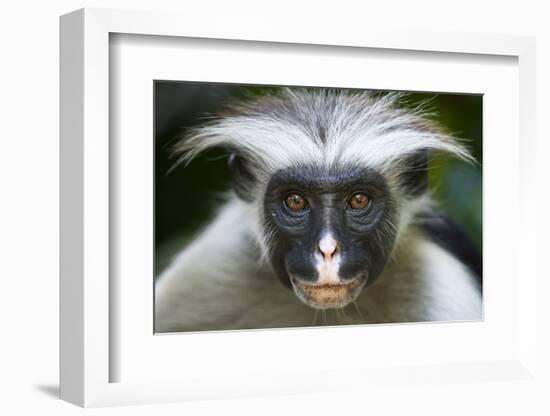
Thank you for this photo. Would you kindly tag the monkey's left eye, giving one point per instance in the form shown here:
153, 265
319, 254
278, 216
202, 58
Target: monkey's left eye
359, 200
295, 202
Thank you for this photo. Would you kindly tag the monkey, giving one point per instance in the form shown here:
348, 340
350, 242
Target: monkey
329, 219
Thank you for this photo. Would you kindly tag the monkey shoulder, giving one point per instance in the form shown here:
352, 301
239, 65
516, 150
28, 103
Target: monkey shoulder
446, 233
433, 275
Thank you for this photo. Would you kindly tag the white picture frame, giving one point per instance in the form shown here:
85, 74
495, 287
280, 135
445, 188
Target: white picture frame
87, 301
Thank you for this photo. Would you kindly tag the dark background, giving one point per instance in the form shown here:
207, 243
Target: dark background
187, 196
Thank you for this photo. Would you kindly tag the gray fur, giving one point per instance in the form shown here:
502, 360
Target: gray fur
329, 127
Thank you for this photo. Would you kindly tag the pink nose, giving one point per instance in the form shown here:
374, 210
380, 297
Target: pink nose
328, 246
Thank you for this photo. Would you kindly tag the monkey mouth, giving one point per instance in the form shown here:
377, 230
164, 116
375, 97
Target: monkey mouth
328, 295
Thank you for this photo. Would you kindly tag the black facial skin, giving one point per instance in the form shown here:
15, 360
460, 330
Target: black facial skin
365, 236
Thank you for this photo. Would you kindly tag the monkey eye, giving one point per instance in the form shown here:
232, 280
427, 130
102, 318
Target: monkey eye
295, 202
359, 200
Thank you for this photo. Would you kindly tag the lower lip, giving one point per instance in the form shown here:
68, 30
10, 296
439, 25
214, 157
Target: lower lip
327, 295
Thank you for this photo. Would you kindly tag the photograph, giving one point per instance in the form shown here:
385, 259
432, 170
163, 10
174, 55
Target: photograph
290, 206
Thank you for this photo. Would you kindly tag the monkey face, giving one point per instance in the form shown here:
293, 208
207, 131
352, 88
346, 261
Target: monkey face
330, 231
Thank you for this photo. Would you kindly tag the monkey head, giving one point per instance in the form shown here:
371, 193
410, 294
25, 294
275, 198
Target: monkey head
330, 231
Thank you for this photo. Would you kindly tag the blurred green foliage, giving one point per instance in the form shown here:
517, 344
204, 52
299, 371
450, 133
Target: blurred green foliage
187, 197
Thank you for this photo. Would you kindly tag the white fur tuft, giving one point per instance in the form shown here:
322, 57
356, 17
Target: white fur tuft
298, 126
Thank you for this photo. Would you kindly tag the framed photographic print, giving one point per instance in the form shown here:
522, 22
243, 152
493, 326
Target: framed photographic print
263, 213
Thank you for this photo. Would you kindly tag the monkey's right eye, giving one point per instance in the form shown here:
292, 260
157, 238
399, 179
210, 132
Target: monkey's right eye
295, 202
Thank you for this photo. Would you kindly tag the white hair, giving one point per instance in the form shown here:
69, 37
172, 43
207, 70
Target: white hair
325, 126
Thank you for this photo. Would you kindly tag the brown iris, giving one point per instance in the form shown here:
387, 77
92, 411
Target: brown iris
359, 200
295, 202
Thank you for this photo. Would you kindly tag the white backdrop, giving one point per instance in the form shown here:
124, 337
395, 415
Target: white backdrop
29, 204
